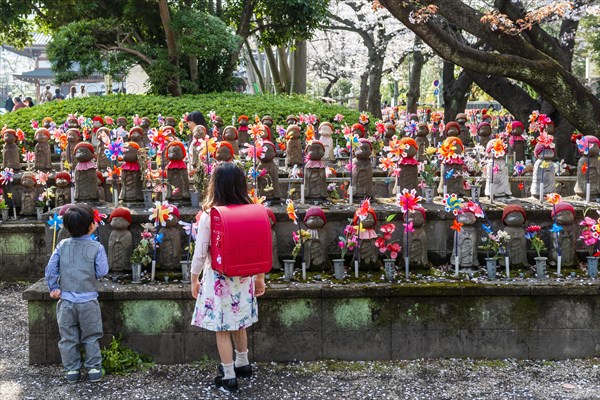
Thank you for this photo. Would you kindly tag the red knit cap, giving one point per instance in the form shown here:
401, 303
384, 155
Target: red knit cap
175, 211
271, 215
539, 148
224, 144
63, 175
86, 145
242, 118
453, 140
422, 211
133, 144
169, 130
370, 211
44, 131
120, 212
98, 118
511, 209
562, 206
409, 141
315, 212
364, 140
100, 177
482, 124
175, 143
516, 124
452, 124
359, 127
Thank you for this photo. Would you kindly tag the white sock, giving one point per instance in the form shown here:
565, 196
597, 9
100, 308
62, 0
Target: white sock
241, 359
229, 372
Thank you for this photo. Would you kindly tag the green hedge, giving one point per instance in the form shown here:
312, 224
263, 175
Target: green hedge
226, 105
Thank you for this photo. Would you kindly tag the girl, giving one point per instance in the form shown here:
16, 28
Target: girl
226, 305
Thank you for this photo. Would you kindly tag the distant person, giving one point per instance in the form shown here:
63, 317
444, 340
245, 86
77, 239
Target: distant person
9, 104
82, 92
73, 93
73, 279
29, 101
18, 104
58, 95
46, 96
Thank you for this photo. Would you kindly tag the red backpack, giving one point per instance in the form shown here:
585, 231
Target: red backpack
240, 240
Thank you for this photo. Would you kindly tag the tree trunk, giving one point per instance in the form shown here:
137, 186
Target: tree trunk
284, 70
173, 85
414, 82
257, 71
456, 91
327, 92
374, 92
364, 91
243, 29
193, 61
272, 60
299, 68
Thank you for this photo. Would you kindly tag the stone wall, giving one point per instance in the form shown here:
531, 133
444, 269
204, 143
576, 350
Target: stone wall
352, 322
23, 252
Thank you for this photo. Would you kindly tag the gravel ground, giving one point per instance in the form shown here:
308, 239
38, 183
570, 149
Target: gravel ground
418, 379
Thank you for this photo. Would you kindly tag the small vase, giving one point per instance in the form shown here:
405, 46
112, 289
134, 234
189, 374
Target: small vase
475, 193
338, 268
389, 265
39, 211
195, 198
5, 214
136, 273
147, 198
491, 264
592, 267
288, 269
185, 271
428, 192
540, 266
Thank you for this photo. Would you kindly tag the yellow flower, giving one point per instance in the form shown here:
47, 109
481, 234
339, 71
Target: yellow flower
430, 150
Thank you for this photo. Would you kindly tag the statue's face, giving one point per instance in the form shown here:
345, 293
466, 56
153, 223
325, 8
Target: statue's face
422, 130
219, 122
565, 217
9, 138
62, 182
291, 121
316, 152
358, 132
594, 150
135, 136
244, 122
518, 131
417, 218
269, 154
412, 151
467, 218
461, 120
47, 124
130, 154
325, 130
170, 121
223, 154
264, 134
119, 223
173, 222
484, 131
453, 131
547, 154
390, 131
550, 129
514, 219
294, 134
145, 124
72, 137
268, 122
27, 182
72, 123
96, 124
40, 137
175, 153
363, 151
368, 222
122, 122
83, 154
314, 222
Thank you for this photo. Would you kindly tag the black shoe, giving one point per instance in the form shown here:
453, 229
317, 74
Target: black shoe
240, 372
226, 385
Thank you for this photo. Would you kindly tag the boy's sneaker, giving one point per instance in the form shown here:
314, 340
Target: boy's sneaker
95, 374
226, 385
72, 376
240, 372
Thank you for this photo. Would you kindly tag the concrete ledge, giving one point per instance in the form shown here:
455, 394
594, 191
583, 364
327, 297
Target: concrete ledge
350, 322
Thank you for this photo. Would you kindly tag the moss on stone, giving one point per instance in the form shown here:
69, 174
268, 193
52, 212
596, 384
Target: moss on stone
150, 317
295, 311
353, 313
36, 311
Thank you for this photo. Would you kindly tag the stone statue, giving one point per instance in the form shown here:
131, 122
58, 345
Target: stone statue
359, 130
496, 174
362, 171
408, 178
417, 240
170, 245
145, 125
224, 152
422, 140
86, 185
170, 121
120, 244
390, 131
230, 136
516, 141
567, 237
293, 146
452, 166
588, 167
100, 180
97, 123
268, 185
484, 133
72, 122
219, 123
102, 159
179, 183
136, 135
513, 218
122, 123
367, 250
28, 193
314, 173
68, 155
291, 120
242, 131
131, 175
42, 150
265, 133
63, 188
325, 136
543, 171
468, 238
268, 121
315, 248
196, 147
464, 135
275, 255
10, 152
452, 129
47, 122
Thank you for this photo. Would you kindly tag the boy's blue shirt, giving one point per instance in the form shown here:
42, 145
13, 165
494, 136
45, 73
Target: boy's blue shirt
53, 275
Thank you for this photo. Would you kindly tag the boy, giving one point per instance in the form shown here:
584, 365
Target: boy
71, 274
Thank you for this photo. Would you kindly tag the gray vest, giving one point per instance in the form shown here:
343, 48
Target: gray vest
77, 265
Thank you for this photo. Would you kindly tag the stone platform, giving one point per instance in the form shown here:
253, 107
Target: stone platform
527, 319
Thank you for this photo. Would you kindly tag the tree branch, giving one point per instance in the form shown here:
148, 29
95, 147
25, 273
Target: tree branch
136, 53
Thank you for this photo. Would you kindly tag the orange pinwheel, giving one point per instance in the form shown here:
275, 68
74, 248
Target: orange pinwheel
310, 134
584, 168
386, 163
291, 211
456, 226
553, 198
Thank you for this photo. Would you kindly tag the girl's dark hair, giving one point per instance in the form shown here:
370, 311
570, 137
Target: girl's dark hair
78, 219
197, 118
227, 186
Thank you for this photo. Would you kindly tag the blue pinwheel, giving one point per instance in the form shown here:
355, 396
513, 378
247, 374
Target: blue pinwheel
56, 222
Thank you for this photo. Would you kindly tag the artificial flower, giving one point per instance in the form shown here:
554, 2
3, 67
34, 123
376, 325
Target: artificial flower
553, 198
291, 211
452, 203
408, 200
456, 226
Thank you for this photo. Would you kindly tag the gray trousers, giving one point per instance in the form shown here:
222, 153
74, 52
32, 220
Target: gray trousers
79, 323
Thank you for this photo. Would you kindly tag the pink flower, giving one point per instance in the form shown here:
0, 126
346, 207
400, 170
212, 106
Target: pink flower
380, 243
387, 230
533, 228
350, 230
587, 221
408, 228
588, 238
394, 249
341, 244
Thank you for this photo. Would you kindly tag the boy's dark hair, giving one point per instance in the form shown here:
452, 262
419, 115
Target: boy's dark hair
77, 220
227, 186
